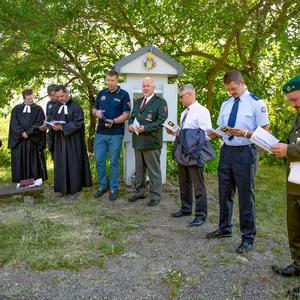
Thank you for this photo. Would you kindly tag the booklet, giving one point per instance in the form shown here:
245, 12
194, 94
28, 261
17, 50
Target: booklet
52, 123
170, 125
294, 176
135, 124
221, 131
263, 139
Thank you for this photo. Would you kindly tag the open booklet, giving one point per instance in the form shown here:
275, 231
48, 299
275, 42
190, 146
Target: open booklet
171, 125
221, 131
52, 123
263, 139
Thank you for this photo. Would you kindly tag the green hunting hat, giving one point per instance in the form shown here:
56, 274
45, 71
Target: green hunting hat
292, 85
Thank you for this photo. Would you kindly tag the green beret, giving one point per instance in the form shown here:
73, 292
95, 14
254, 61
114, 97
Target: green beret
292, 85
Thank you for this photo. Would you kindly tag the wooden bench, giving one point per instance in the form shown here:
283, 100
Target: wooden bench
27, 193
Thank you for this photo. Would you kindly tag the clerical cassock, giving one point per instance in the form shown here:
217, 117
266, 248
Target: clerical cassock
71, 164
27, 154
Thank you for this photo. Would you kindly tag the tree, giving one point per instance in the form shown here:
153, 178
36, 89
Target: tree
76, 42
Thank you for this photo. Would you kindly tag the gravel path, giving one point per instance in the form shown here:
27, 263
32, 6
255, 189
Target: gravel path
165, 259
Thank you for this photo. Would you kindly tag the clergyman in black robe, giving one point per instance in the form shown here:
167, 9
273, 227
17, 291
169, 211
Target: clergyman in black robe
26, 140
71, 164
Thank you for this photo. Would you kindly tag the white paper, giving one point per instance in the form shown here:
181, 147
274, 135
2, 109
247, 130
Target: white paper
221, 131
294, 176
135, 124
171, 125
263, 139
52, 123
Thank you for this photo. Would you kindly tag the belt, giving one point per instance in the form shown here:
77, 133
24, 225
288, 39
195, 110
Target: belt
239, 147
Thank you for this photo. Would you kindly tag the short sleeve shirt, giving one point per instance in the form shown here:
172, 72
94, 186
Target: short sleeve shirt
112, 106
252, 112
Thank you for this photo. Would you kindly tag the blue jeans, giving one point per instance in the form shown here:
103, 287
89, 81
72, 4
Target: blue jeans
103, 145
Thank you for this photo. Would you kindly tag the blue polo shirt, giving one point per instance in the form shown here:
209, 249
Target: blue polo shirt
112, 106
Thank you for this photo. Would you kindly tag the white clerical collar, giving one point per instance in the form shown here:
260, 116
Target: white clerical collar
64, 107
27, 108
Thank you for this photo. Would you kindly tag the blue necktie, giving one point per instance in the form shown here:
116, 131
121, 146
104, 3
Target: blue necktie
233, 114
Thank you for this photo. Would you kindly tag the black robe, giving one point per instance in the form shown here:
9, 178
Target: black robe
27, 155
71, 164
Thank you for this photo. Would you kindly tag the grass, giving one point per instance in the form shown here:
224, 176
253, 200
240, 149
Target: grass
174, 278
52, 234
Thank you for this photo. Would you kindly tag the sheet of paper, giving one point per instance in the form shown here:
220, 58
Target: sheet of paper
294, 176
135, 124
263, 139
171, 125
221, 131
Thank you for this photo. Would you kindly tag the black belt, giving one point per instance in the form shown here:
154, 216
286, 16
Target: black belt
238, 147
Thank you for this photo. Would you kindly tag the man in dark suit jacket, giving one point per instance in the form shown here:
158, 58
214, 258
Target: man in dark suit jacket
150, 112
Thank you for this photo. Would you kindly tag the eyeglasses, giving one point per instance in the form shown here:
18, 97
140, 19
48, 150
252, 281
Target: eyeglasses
181, 96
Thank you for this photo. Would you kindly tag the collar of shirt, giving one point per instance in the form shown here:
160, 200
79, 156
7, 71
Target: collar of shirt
149, 98
116, 91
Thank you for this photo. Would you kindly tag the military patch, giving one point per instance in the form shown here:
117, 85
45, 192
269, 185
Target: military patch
103, 98
50, 106
263, 109
149, 118
288, 88
117, 99
129, 104
165, 109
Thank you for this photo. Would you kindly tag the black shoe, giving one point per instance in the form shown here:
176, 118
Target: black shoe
244, 247
181, 213
295, 292
153, 202
135, 198
73, 197
286, 272
218, 234
100, 192
197, 222
113, 195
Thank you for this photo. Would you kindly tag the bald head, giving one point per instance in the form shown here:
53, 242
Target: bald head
148, 86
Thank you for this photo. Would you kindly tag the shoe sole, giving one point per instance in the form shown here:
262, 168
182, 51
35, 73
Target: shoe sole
219, 236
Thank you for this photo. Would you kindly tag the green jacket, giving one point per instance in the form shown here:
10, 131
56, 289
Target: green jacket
152, 117
293, 153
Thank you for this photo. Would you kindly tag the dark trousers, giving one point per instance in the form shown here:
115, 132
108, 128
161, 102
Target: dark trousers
236, 170
190, 177
293, 226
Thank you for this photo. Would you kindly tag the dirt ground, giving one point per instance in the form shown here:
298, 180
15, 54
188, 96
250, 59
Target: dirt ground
165, 259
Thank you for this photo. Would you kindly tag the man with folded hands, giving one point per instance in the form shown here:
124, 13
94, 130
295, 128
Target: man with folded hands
26, 140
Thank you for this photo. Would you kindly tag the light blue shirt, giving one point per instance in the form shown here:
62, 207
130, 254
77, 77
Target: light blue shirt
252, 113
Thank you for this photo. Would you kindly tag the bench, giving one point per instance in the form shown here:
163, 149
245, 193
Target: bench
10, 190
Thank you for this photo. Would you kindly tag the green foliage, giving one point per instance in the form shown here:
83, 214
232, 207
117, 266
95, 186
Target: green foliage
4, 151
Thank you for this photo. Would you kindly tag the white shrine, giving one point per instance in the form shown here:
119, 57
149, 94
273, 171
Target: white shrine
148, 62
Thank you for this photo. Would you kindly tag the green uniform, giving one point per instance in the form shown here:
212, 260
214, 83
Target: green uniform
152, 116
293, 195
147, 145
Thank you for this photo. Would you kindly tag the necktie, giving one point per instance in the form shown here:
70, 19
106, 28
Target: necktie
65, 107
27, 109
184, 117
233, 114
143, 103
